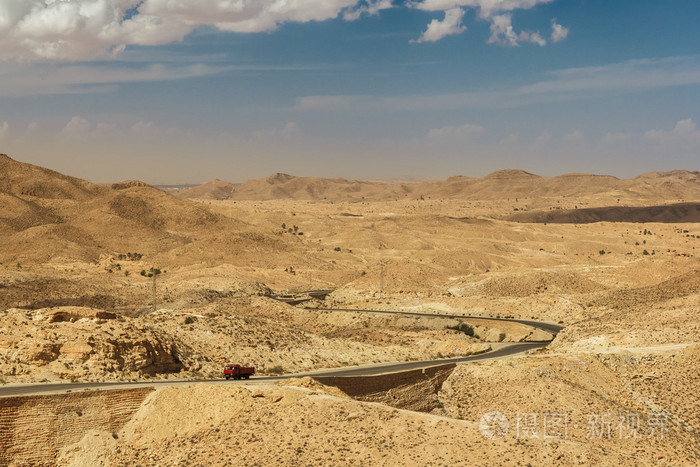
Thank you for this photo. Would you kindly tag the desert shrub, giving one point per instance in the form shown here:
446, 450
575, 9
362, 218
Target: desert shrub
645, 252
336, 248
463, 327
190, 320
602, 252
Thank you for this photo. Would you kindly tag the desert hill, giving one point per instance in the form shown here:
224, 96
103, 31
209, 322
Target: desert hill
46, 215
26, 180
504, 184
671, 213
213, 189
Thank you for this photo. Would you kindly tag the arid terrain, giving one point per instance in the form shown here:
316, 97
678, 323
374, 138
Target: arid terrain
125, 282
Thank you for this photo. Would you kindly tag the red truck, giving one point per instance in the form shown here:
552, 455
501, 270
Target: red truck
236, 371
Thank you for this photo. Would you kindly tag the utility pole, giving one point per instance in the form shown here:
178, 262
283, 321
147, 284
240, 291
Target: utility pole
155, 296
381, 279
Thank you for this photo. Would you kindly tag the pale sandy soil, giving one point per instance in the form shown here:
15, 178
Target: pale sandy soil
75, 306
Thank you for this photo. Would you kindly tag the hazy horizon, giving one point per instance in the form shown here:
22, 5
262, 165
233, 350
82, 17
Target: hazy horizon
360, 89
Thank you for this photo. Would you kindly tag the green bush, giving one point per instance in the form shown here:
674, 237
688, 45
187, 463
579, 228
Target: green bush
190, 320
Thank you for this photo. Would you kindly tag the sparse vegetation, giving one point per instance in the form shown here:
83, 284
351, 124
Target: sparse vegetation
276, 370
190, 319
130, 256
463, 327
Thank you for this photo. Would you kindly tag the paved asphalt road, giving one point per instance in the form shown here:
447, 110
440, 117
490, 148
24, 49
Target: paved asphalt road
364, 370
549, 327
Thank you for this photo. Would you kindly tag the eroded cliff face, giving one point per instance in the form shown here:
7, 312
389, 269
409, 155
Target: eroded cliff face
33, 429
415, 390
81, 343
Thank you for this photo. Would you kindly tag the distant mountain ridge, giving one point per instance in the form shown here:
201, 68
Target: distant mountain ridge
502, 184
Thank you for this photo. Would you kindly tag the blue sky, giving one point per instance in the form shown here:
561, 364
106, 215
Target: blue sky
187, 91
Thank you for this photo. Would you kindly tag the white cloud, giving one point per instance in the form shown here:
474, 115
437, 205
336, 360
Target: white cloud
80, 30
459, 132
498, 12
33, 128
22, 79
4, 128
543, 138
575, 137
566, 84
289, 132
559, 32
684, 134
617, 138
685, 127
372, 7
451, 24
88, 29
486, 8
76, 127
143, 128
502, 32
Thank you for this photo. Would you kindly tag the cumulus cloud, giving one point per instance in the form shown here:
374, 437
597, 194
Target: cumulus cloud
77, 126
372, 7
451, 24
4, 128
502, 32
498, 12
70, 30
684, 133
88, 29
559, 32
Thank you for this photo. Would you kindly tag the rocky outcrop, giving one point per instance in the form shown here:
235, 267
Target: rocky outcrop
411, 390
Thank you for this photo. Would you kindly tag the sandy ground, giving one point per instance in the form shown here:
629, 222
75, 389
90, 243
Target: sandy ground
76, 303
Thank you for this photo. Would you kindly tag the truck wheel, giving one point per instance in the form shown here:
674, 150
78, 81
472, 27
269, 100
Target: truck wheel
227, 376
247, 376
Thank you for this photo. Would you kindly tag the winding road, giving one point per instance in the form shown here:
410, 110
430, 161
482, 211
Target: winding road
504, 350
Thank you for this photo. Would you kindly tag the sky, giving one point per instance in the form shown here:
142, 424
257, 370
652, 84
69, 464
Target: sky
184, 91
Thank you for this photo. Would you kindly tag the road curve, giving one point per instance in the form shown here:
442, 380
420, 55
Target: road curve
364, 370
549, 327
